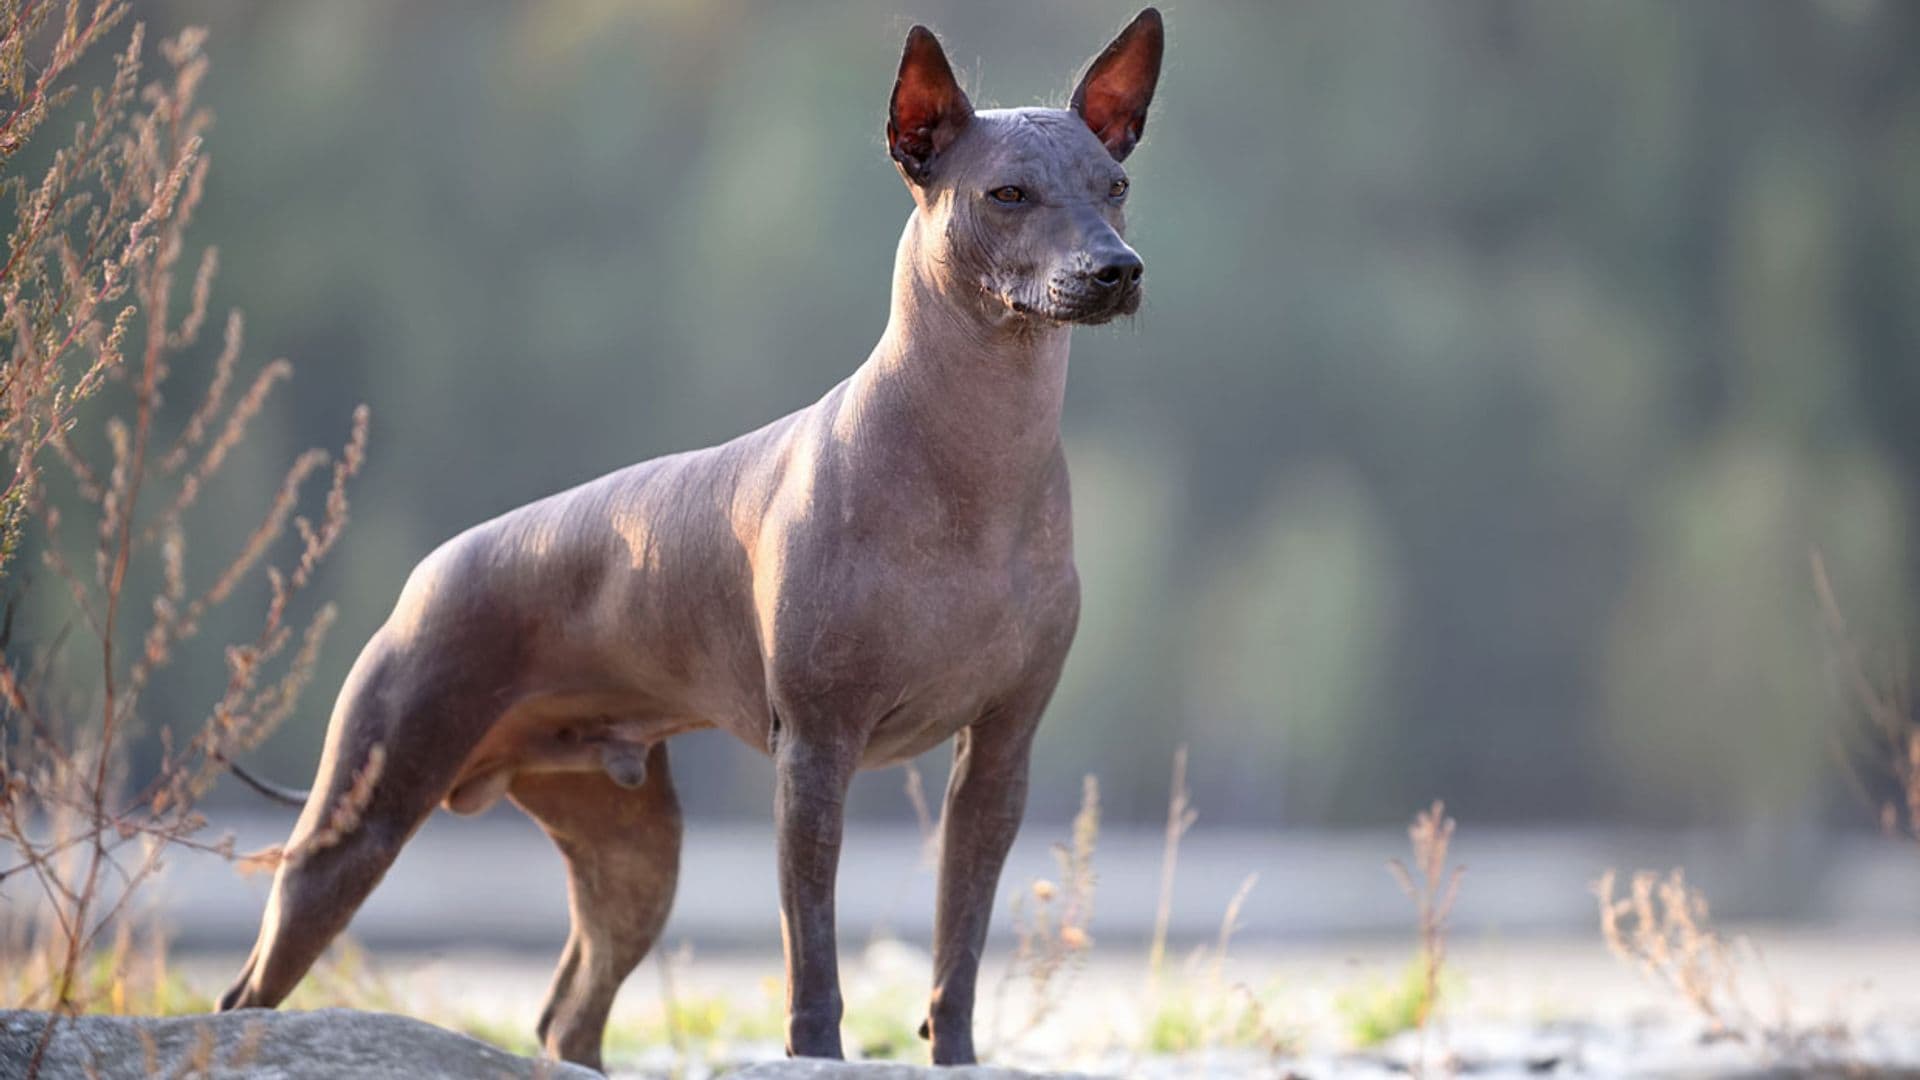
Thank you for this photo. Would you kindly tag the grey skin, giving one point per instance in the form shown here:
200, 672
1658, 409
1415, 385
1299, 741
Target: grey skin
844, 588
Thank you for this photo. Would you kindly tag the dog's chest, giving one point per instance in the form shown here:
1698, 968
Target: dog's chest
954, 654
921, 640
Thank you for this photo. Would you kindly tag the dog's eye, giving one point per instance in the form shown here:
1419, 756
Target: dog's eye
1008, 195
1117, 189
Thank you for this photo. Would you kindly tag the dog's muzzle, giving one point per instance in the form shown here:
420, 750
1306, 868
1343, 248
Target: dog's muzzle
1097, 295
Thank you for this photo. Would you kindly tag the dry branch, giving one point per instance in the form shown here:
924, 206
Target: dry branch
89, 341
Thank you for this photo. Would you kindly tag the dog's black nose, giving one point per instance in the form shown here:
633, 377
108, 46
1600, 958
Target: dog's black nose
1121, 270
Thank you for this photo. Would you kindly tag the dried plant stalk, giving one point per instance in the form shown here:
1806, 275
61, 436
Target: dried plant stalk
923, 816
1883, 702
1432, 886
344, 816
1051, 922
93, 488
1663, 927
1180, 818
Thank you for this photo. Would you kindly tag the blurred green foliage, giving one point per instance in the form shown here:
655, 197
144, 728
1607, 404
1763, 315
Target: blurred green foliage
1382, 1008
1501, 365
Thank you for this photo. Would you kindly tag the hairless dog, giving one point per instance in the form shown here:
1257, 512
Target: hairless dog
844, 588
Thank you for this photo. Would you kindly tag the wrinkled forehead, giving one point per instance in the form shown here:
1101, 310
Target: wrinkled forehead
1029, 146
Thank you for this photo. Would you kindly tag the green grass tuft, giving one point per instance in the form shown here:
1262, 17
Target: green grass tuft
112, 990
1176, 1027
885, 1031
1377, 1011
513, 1038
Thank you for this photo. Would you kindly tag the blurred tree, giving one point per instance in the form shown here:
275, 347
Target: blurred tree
1501, 360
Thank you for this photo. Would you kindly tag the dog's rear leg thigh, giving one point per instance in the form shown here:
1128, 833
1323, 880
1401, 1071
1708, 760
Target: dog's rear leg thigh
622, 846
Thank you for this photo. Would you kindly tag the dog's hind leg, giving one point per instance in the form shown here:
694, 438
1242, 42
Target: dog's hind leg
394, 746
622, 846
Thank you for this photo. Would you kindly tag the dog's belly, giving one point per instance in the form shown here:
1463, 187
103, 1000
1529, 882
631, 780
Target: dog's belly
563, 732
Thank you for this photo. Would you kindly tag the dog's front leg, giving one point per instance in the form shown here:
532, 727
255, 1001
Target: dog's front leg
985, 796
810, 790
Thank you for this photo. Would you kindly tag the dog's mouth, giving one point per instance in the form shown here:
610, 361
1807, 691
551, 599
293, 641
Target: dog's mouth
1081, 306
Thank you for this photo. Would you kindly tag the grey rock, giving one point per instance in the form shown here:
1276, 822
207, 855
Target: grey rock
261, 1043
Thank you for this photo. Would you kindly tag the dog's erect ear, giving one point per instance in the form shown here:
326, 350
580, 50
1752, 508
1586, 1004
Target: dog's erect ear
1114, 94
929, 109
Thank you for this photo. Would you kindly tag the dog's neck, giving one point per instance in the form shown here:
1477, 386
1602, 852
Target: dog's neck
971, 387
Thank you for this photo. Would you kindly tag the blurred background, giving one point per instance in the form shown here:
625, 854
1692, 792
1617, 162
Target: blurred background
1501, 367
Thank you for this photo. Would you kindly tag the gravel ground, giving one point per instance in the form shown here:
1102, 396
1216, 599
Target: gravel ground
1842, 1003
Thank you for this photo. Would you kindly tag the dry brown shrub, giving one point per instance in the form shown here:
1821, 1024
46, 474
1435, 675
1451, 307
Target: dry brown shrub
1663, 926
1433, 886
923, 816
247, 1047
1180, 818
100, 487
198, 1060
1051, 922
1879, 752
343, 818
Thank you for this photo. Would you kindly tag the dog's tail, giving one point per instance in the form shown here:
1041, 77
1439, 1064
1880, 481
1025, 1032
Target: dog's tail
290, 796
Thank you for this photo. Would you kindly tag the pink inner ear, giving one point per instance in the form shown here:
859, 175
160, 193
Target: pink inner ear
1114, 95
928, 108
1112, 113
923, 103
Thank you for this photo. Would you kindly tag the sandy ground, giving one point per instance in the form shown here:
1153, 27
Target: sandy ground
1531, 989
1515, 1007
